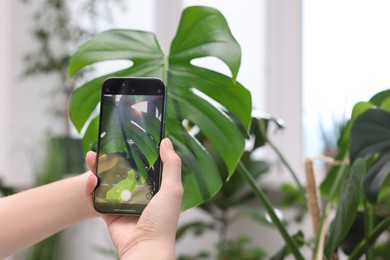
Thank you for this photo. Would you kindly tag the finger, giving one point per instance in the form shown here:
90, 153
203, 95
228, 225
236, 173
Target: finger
160, 217
171, 175
92, 182
90, 158
89, 188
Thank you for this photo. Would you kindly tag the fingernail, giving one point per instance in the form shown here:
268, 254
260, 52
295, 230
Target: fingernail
168, 144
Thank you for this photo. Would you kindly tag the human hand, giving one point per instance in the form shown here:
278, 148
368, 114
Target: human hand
152, 235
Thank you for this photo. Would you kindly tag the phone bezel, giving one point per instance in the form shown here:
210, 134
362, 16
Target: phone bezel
129, 86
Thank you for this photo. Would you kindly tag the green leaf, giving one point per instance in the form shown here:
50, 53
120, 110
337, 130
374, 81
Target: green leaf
259, 127
197, 227
89, 140
384, 197
203, 33
376, 177
381, 250
343, 147
385, 105
347, 207
378, 98
198, 98
121, 131
370, 133
355, 234
140, 47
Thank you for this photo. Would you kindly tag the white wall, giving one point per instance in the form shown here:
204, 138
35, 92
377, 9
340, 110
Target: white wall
26, 104
5, 79
284, 95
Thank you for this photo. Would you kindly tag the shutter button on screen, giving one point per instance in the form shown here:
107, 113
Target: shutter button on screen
149, 196
126, 195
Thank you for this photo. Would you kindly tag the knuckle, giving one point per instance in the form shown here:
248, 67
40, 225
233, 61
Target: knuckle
178, 190
175, 160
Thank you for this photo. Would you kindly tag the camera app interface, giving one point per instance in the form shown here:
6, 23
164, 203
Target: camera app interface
130, 132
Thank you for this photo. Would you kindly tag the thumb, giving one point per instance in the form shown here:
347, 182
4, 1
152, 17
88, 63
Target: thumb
90, 158
171, 175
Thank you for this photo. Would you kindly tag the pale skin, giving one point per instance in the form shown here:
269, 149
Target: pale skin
35, 214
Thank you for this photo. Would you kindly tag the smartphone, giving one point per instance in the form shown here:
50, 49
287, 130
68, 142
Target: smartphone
131, 127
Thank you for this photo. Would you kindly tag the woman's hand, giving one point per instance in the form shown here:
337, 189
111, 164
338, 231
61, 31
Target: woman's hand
152, 235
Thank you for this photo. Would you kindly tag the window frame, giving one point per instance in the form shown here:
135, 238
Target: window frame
5, 26
284, 78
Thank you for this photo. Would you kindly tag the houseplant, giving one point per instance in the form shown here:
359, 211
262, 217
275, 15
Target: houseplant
218, 107
224, 121
365, 143
202, 32
198, 98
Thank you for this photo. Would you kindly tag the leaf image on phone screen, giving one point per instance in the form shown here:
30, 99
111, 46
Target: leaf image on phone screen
128, 148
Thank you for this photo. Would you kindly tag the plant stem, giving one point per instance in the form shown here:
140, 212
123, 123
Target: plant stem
377, 231
368, 226
270, 210
263, 130
328, 207
288, 166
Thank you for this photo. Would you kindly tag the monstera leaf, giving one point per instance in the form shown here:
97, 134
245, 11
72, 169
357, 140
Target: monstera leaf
199, 99
133, 132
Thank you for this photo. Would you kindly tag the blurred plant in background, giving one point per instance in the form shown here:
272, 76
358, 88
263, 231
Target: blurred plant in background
228, 206
58, 27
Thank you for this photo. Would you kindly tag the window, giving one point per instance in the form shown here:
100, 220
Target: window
346, 59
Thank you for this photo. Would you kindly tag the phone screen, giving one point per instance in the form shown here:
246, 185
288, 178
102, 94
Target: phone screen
130, 131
